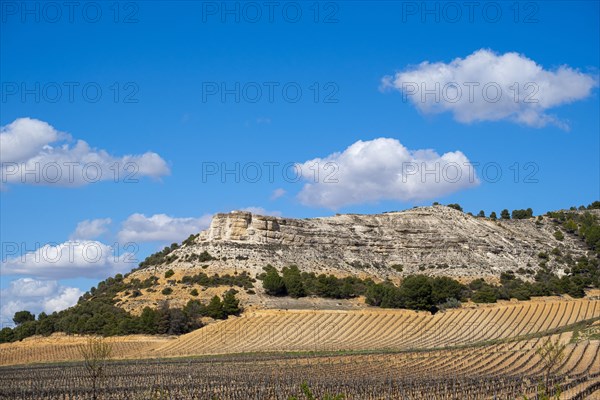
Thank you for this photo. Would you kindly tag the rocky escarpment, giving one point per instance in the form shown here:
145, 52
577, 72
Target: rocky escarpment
433, 240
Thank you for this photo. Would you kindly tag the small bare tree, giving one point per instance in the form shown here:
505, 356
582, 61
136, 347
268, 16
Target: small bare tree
552, 354
96, 352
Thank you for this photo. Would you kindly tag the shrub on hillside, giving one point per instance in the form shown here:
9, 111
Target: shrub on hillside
455, 206
522, 214
273, 283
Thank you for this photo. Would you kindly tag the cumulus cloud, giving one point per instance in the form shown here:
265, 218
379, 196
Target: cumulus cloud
72, 259
36, 296
66, 298
26, 137
262, 211
161, 227
33, 152
91, 229
486, 86
383, 169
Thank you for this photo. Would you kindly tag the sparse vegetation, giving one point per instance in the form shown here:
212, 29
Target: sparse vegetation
397, 267
552, 353
522, 214
455, 206
95, 353
96, 314
420, 292
162, 257
558, 235
242, 280
190, 239
202, 257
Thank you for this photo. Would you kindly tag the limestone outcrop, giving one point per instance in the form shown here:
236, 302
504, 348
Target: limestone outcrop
434, 240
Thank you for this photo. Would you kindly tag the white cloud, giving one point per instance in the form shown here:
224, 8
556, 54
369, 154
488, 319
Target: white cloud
66, 298
36, 296
277, 193
24, 138
486, 86
33, 152
161, 227
262, 211
383, 169
72, 259
91, 229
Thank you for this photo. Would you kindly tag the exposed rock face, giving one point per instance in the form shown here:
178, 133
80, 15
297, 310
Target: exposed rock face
433, 240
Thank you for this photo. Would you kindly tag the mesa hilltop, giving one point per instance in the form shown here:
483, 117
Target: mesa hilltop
434, 241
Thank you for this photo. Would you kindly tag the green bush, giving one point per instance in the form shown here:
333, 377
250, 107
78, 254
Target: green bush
397, 267
558, 235
273, 283
487, 294
215, 308
241, 280
167, 291
294, 286
230, 304
161, 257
205, 256
450, 303
522, 214
169, 273
455, 206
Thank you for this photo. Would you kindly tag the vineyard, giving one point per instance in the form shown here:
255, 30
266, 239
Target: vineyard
480, 353
66, 348
303, 330
506, 371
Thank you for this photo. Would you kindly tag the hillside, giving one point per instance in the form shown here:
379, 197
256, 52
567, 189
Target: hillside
424, 259
304, 330
378, 330
434, 241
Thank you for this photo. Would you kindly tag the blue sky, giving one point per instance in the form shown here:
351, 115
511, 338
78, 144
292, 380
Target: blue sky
163, 59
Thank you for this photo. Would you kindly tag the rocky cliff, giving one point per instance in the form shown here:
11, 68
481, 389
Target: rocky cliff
433, 240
